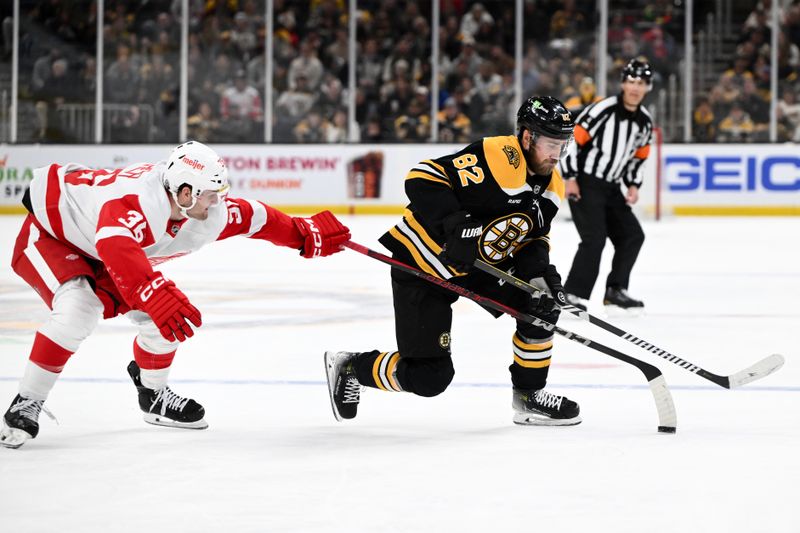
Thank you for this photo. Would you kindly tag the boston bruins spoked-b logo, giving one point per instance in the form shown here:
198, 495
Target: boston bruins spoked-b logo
500, 237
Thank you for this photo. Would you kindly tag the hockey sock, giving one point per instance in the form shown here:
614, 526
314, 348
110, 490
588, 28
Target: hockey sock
379, 370
531, 361
154, 367
37, 382
49, 355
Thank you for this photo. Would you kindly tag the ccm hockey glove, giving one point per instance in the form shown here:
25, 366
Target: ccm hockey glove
462, 234
168, 307
323, 234
547, 305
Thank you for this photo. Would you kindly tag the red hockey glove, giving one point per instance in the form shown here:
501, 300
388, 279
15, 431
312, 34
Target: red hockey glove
167, 306
323, 234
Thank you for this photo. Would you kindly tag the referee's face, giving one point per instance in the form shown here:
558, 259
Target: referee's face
633, 92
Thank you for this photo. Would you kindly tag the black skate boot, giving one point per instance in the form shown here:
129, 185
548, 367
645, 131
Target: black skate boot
618, 300
163, 407
22, 421
541, 408
343, 385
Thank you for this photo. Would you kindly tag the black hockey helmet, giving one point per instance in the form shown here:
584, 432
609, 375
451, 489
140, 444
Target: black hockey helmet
545, 115
636, 69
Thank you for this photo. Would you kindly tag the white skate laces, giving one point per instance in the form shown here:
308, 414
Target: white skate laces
352, 390
547, 399
169, 400
31, 408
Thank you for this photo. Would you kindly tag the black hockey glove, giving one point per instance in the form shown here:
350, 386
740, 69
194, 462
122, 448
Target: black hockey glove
461, 246
547, 305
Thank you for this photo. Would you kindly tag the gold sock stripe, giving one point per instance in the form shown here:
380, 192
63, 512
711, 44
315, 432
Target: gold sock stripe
531, 364
541, 345
532, 353
390, 367
376, 370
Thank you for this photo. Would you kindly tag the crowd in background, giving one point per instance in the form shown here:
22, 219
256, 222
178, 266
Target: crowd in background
393, 100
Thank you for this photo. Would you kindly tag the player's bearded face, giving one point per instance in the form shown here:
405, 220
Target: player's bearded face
544, 154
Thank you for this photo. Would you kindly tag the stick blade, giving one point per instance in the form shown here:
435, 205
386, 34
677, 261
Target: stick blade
763, 368
667, 416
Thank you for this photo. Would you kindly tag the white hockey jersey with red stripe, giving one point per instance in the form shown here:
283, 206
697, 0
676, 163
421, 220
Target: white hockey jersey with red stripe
122, 218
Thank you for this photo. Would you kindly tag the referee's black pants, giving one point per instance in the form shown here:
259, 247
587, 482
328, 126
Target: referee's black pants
602, 213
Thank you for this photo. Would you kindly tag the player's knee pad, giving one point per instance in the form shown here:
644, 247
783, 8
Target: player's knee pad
75, 313
150, 338
427, 377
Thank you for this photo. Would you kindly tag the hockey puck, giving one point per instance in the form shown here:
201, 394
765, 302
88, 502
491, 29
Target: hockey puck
667, 429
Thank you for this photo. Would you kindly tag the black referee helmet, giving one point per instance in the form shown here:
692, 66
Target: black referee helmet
636, 69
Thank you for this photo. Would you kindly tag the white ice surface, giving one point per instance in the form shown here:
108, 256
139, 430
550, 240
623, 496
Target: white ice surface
721, 293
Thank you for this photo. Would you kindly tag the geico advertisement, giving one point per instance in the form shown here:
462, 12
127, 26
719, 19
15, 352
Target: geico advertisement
731, 174
278, 174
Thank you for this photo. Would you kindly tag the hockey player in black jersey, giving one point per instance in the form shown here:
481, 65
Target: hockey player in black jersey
493, 200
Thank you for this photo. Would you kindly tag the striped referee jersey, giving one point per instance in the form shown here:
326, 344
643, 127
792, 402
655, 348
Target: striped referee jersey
611, 143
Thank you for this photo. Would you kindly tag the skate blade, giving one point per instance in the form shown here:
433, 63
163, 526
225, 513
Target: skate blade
614, 311
329, 367
159, 420
531, 419
13, 438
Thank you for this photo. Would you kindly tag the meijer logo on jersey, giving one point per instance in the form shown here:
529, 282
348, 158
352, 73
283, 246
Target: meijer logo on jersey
469, 233
197, 165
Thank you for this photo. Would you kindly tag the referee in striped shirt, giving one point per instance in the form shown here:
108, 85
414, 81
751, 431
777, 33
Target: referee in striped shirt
612, 140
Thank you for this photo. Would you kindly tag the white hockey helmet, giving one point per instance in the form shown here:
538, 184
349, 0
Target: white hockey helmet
198, 166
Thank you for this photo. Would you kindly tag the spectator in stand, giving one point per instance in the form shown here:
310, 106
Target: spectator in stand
412, 126
585, 95
469, 56
203, 126
129, 126
703, 122
337, 129
373, 130
454, 126
307, 64
739, 72
474, 18
788, 115
567, 22
487, 82
737, 126
241, 110
121, 80
312, 128
243, 36
757, 108
402, 54
294, 103
42, 68
58, 88
331, 96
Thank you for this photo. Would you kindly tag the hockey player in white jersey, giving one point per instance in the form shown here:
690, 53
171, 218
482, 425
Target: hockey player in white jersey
88, 248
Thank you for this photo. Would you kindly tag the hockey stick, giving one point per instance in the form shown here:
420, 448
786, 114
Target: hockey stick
667, 417
756, 371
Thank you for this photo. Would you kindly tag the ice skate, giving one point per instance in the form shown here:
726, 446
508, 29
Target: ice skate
21, 421
541, 408
576, 301
162, 407
619, 303
343, 385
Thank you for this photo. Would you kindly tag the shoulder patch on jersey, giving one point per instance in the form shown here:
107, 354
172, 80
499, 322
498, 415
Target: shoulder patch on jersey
512, 154
504, 158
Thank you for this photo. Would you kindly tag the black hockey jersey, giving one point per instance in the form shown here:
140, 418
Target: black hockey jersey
489, 180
